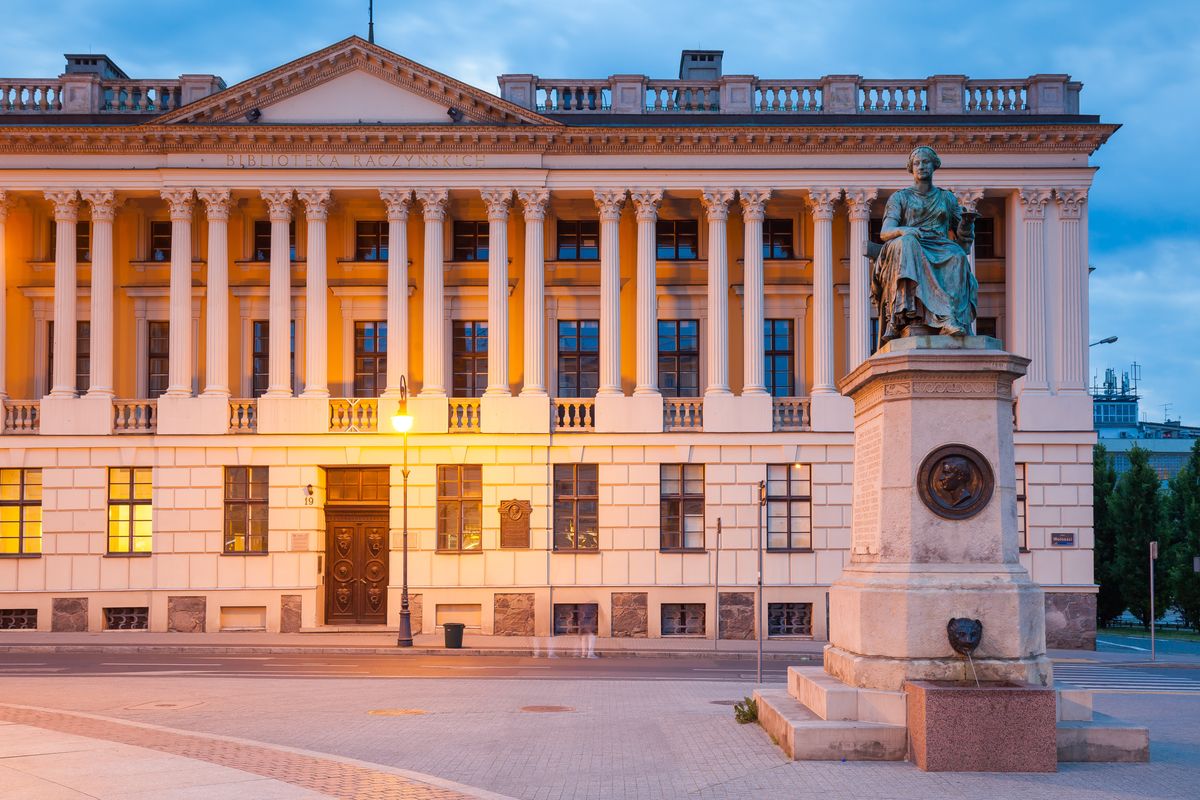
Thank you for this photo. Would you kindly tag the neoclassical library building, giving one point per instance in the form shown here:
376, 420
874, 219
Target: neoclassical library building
581, 340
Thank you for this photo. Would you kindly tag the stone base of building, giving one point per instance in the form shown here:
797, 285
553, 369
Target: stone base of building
1071, 620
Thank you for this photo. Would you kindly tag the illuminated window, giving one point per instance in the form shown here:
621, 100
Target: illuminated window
158, 357
469, 347
676, 239
579, 240
779, 357
470, 241
83, 354
160, 240
777, 239
679, 357
371, 240
789, 507
370, 358
1022, 530
681, 507
576, 507
260, 357
20, 512
130, 513
578, 357
460, 508
245, 509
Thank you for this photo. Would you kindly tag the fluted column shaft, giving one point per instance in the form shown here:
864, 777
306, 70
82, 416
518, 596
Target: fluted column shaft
397, 202
316, 295
859, 202
821, 203
179, 368
716, 206
1071, 372
66, 215
754, 209
279, 295
433, 203
216, 330
104, 209
1032, 273
534, 202
646, 202
4, 206
497, 201
609, 203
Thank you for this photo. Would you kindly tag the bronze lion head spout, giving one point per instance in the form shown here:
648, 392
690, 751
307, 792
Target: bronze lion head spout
964, 634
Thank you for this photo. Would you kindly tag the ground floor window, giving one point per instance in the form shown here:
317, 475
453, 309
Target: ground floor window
683, 619
574, 618
460, 508
1022, 529
130, 513
20, 512
246, 509
789, 619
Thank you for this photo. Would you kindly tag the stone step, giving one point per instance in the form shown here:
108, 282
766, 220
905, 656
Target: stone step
1102, 738
804, 736
830, 699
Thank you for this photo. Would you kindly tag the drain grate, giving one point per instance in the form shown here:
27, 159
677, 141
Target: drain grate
165, 705
546, 709
397, 712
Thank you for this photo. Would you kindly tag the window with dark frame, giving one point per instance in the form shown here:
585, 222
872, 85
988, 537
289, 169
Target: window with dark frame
158, 357
460, 508
83, 241
576, 507
578, 357
262, 240
789, 507
83, 354
985, 326
20, 512
985, 237
260, 356
679, 357
681, 507
875, 229
470, 241
1022, 522
358, 485
682, 619
677, 239
371, 240
579, 240
370, 358
789, 619
160, 240
873, 331
246, 510
130, 513
778, 241
572, 619
779, 355
469, 358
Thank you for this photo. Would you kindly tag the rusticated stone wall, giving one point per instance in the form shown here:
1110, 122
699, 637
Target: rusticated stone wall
186, 614
630, 614
737, 615
1071, 620
289, 613
69, 614
513, 614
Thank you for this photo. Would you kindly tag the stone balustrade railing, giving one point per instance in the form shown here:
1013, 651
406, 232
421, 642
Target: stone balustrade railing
683, 413
353, 415
790, 414
574, 414
464, 414
30, 96
21, 416
832, 94
135, 416
85, 93
243, 415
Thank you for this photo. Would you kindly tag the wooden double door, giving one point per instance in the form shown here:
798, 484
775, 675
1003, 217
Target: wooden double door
356, 571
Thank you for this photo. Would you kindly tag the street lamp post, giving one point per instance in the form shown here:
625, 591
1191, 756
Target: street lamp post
403, 423
1105, 340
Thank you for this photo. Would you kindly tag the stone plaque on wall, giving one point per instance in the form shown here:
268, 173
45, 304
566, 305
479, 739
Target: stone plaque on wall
514, 523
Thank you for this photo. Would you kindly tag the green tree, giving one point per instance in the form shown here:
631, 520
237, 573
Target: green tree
1183, 519
1110, 602
1136, 511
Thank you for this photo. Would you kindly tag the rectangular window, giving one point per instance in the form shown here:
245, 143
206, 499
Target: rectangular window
260, 356
789, 619
681, 507
83, 354
246, 509
1022, 530
371, 240
777, 239
469, 358
460, 508
578, 357
677, 239
130, 512
576, 507
158, 357
985, 237
262, 240
576, 618
160, 240
985, 326
683, 619
357, 485
789, 507
579, 240
780, 357
370, 358
83, 241
874, 229
679, 357
20, 512
470, 241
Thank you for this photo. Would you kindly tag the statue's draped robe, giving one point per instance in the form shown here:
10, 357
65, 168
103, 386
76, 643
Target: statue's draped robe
926, 278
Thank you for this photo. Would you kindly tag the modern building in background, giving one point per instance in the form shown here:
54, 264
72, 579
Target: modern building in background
620, 304
1120, 426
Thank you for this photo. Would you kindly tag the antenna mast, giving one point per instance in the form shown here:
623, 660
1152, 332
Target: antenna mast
371, 21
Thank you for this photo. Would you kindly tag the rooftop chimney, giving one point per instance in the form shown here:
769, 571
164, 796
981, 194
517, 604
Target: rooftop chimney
94, 64
700, 65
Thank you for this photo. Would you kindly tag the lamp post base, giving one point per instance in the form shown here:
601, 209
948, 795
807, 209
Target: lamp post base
404, 635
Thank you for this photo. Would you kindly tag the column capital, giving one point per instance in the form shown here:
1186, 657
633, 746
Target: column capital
433, 203
179, 202
821, 201
5, 204
316, 203
968, 198
1070, 201
646, 202
534, 202
497, 202
397, 202
279, 204
716, 203
1033, 201
216, 202
104, 203
66, 204
754, 203
859, 201
609, 202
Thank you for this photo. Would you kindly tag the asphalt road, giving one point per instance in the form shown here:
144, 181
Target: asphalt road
1139, 643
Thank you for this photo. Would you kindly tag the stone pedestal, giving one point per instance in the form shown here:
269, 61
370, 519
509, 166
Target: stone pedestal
193, 415
642, 413
430, 414
293, 414
727, 413
76, 416
521, 414
831, 412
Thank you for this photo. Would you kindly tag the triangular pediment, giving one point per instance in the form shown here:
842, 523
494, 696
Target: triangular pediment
348, 83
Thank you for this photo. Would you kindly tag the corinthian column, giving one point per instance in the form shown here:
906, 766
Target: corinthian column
216, 332
1032, 291
104, 209
754, 209
316, 299
716, 206
820, 203
646, 202
179, 368
397, 202
1071, 335
433, 203
968, 200
5, 204
859, 201
497, 202
279, 296
534, 202
66, 216
609, 202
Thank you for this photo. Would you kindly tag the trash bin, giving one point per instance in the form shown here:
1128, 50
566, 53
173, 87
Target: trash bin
454, 634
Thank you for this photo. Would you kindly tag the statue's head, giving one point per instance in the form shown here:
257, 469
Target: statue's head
964, 634
923, 158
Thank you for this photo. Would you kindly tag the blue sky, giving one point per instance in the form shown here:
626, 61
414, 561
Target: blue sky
1140, 68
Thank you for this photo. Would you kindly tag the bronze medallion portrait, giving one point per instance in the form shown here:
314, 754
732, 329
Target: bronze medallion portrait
955, 481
